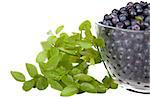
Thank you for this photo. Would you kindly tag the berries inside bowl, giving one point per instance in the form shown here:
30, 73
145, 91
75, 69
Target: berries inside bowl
126, 33
134, 16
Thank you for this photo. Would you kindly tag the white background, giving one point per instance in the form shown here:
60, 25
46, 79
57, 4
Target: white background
24, 23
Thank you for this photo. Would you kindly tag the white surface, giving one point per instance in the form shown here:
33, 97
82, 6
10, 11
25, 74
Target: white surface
24, 23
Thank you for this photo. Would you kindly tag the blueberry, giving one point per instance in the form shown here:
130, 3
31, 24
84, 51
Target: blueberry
146, 12
132, 12
146, 24
148, 5
130, 4
134, 16
120, 25
129, 27
139, 10
115, 11
110, 23
142, 26
134, 22
148, 29
122, 17
115, 20
112, 15
138, 6
136, 27
127, 23
100, 22
147, 19
123, 9
106, 17
107, 22
143, 4
124, 12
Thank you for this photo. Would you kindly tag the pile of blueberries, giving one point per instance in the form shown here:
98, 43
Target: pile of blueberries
134, 16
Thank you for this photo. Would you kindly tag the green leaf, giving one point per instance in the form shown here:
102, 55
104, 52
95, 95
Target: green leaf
70, 58
55, 84
138, 18
52, 74
85, 45
69, 91
59, 29
88, 34
99, 42
83, 77
101, 89
67, 80
88, 87
49, 32
75, 71
28, 85
85, 25
32, 70
53, 62
89, 53
99, 86
62, 84
41, 83
70, 52
53, 51
62, 70
64, 63
61, 40
64, 35
18, 76
42, 66
41, 57
83, 67
114, 85
92, 61
107, 81
45, 45
75, 37
52, 39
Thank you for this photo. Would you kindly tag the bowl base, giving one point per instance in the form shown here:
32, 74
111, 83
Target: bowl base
138, 91
135, 89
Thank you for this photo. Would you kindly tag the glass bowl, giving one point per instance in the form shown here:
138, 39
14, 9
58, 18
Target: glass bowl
127, 56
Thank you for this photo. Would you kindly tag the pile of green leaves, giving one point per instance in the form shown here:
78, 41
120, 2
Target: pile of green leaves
64, 63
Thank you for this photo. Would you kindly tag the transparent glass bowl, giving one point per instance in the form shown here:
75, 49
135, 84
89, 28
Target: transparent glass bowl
127, 56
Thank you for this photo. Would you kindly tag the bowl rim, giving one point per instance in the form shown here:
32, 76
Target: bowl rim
115, 28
